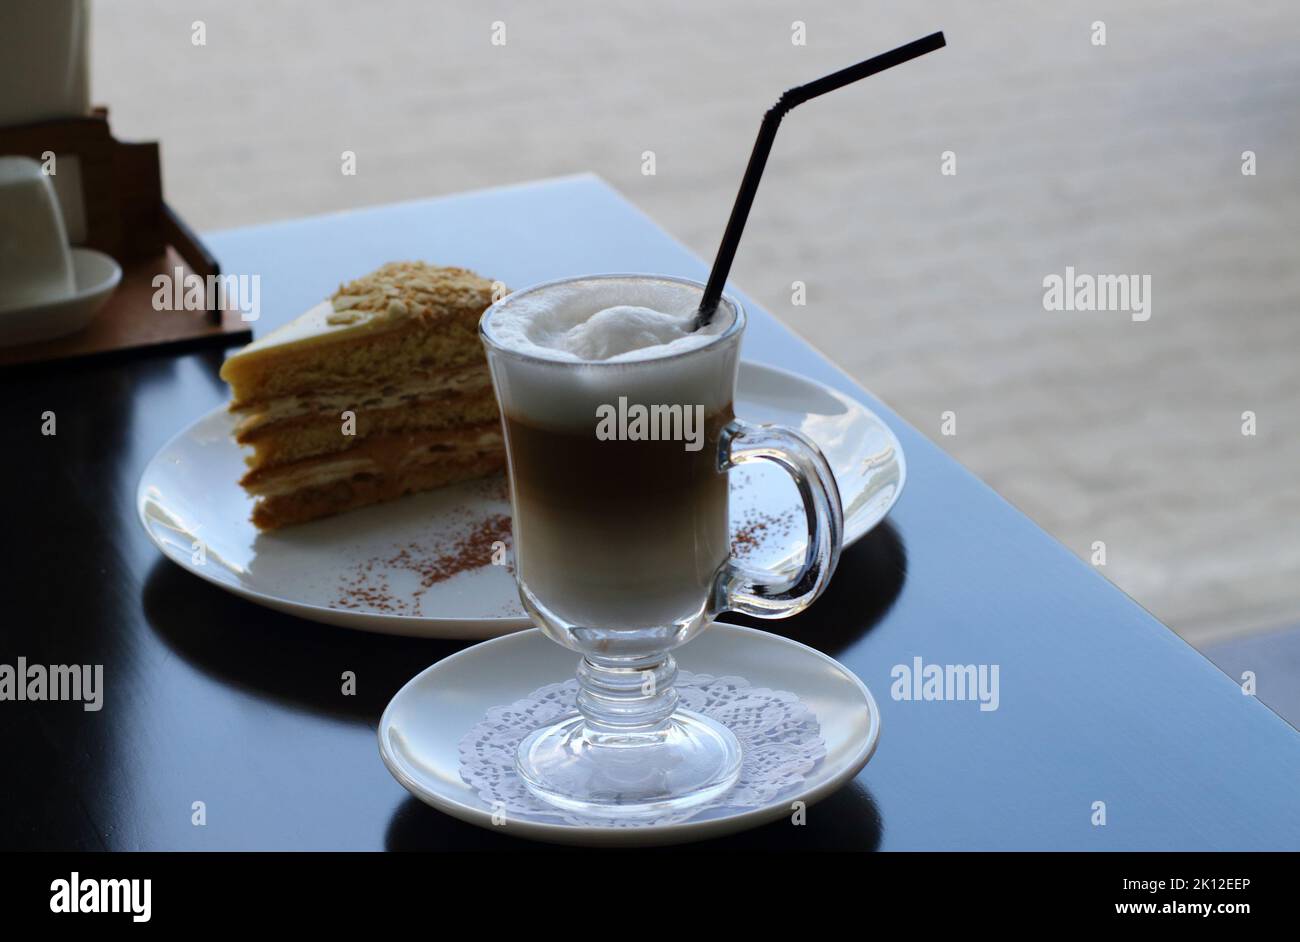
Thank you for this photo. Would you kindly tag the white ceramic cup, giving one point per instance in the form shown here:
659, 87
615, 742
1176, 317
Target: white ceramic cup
35, 261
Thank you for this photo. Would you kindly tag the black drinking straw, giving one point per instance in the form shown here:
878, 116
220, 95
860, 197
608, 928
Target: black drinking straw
763, 146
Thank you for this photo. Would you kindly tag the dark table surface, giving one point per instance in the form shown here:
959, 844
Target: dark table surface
210, 698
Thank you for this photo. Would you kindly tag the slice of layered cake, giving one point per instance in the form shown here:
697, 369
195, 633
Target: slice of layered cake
382, 390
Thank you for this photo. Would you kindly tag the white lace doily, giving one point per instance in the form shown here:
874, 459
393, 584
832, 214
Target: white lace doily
780, 740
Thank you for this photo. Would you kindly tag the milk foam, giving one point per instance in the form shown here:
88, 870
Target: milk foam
589, 341
612, 320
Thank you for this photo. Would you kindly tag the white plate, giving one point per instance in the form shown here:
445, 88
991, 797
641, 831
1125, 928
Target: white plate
421, 729
94, 274
188, 497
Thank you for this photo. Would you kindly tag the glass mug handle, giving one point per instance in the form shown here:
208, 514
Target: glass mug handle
765, 594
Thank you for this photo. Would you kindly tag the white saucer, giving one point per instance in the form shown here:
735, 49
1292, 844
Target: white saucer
421, 728
95, 276
189, 492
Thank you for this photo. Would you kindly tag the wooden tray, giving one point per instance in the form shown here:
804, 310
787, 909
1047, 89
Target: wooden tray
128, 322
123, 214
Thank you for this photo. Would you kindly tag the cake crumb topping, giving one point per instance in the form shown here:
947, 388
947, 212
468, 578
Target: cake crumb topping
408, 289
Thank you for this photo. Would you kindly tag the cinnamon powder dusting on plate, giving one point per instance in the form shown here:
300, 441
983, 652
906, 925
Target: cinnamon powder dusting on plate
368, 585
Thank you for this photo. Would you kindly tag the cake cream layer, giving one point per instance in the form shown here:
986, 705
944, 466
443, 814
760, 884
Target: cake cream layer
323, 435
309, 503
269, 417
380, 455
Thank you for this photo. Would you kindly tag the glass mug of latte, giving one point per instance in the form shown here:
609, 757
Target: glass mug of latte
619, 434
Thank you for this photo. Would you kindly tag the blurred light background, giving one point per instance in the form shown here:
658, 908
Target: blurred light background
1118, 159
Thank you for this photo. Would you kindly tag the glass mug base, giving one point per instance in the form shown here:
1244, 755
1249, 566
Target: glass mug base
687, 762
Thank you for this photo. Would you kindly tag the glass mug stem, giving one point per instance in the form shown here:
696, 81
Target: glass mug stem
626, 698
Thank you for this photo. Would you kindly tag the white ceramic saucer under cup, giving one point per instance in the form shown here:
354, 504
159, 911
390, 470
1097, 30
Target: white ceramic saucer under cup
366, 569
94, 274
421, 729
